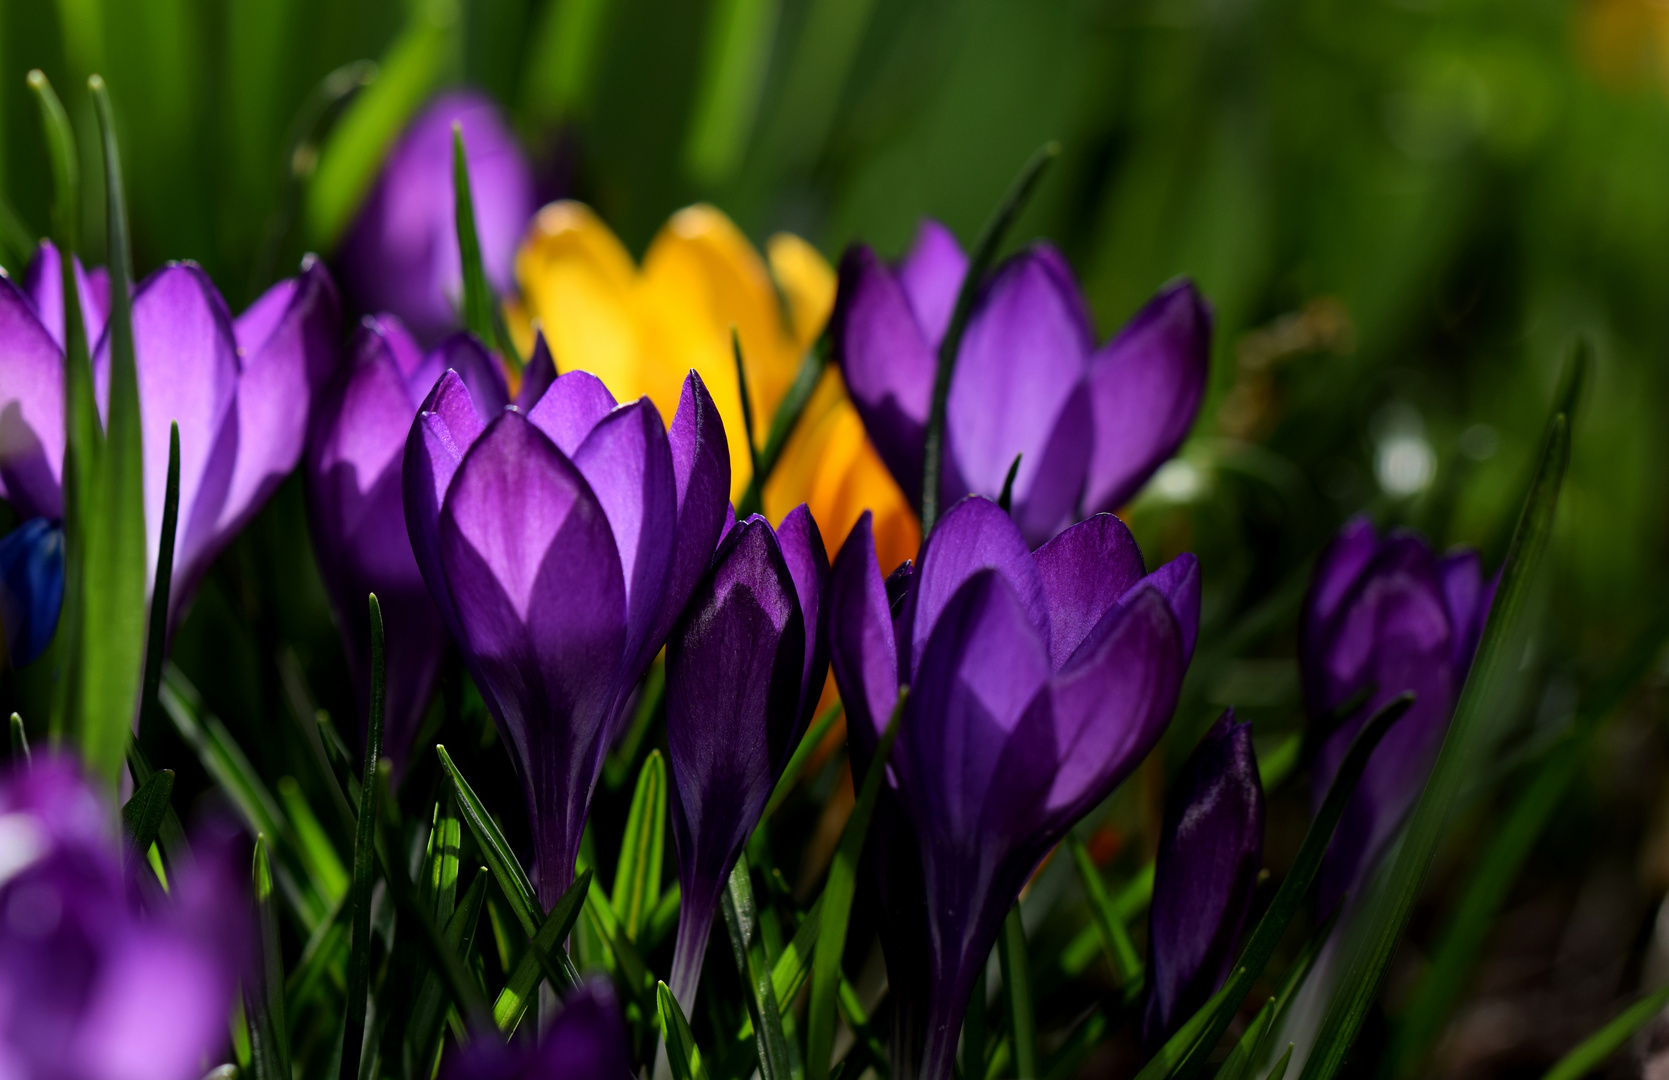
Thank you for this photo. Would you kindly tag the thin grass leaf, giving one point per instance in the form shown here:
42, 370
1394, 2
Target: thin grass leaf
512, 881
1470, 735
540, 958
984, 251
1017, 981
1076, 1050
637, 881
736, 59
837, 906
747, 400
263, 990
156, 641
318, 855
784, 421
1280, 1069
797, 762
618, 769
1173, 1054
325, 954
1115, 939
142, 814
1005, 498
748, 946
1591, 1053
425, 1031
20, 741
663, 918
681, 1050
1241, 1059
478, 295
364, 861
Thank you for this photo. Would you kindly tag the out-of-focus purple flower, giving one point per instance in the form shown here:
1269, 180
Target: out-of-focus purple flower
1090, 424
401, 254
1393, 614
1210, 852
355, 449
240, 389
560, 545
744, 669
31, 587
586, 1041
91, 986
1037, 683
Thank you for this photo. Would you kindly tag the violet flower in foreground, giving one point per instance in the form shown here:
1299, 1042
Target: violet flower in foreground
560, 544
1210, 852
94, 983
1090, 424
1393, 614
586, 1041
241, 390
1037, 683
401, 253
355, 449
744, 669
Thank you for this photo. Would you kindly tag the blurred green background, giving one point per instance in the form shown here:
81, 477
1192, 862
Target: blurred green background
1406, 213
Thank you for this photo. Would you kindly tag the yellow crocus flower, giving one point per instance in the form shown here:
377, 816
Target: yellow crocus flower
641, 329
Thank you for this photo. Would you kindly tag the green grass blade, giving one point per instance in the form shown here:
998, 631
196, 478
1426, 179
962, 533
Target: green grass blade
1280, 1070
747, 402
156, 641
512, 881
269, 1034
561, 67
984, 251
364, 861
736, 58
1121, 951
681, 1050
748, 945
319, 856
20, 741
837, 906
1592, 1051
783, 423
478, 295
1176, 1050
801, 757
1471, 734
143, 813
543, 949
1017, 981
1241, 1059
425, 1030
637, 881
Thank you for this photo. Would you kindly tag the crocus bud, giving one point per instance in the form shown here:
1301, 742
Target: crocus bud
1210, 852
560, 545
401, 254
744, 668
1089, 424
586, 1041
1037, 682
1391, 614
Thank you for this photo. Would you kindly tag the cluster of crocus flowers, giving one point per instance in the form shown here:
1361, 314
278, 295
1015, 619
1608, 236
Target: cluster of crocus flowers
240, 389
744, 669
1089, 425
639, 329
560, 545
101, 974
1037, 682
1391, 614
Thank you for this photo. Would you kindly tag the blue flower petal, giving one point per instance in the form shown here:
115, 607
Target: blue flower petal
31, 587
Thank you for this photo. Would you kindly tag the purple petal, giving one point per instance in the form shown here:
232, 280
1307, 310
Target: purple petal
586, 1041
573, 405
862, 649
44, 283
530, 561
1022, 357
1086, 571
420, 369
1335, 574
1049, 500
1178, 581
701, 465
1147, 384
887, 362
808, 562
1467, 596
973, 535
445, 428
462, 353
537, 376
931, 276
31, 409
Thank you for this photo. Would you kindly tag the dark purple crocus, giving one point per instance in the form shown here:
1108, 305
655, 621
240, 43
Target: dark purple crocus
1090, 424
101, 977
1390, 613
31, 587
355, 449
401, 254
241, 390
586, 1041
744, 669
1210, 852
560, 544
1037, 682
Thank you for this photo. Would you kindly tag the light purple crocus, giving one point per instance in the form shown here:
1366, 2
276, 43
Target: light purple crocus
744, 669
560, 545
1089, 424
1210, 852
241, 390
100, 977
355, 450
401, 254
1389, 613
1037, 683
586, 1041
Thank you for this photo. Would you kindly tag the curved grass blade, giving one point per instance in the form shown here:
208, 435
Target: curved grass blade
478, 295
801, 757
1005, 498
837, 906
984, 251
142, 815
365, 861
637, 881
1121, 951
747, 943
425, 1028
1017, 980
269, 1035
747, 403
1280, 1070
156, 642
1173, 1054
1592, 1051
784, 421
20, 741
681, 1050
517, 994
1241, 1059
512, 881
1471, 733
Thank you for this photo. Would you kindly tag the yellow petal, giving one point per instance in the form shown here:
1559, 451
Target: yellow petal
807, 282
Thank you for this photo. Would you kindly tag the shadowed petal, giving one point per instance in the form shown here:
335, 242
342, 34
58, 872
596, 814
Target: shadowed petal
1467, 597
444, 429
973, 535
701, 466
31, 409
570, 408
862, 649
802, 550
1086, 571
462, 353
31, 587
537, 376
1178, 581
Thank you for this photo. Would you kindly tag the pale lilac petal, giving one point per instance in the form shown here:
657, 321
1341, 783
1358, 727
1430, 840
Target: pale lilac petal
1047, 500
973, 535
931, 276
573, 405
1086, 572
44, 283
31, 409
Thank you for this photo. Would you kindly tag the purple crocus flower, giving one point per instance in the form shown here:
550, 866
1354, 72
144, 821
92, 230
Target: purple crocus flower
241, 390
99, 978
1037, 683
744, 669
31, 587
1391, 613
586, 1041
1210, 852
401, 254
1090, 424
560, 544
355, 450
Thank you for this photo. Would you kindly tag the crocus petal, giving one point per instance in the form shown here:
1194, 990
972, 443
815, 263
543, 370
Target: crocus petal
461, 352
1210, 852
701, 466
862, 649
1335, 574
808, 563
1022, 357
31, 587
530, 560
1086, 571
537, 376
586, 1041
887, 362
44, 284
1049, 500
573, 405
444, 429
1178, 581
1147, 384
931, 276
1464, 594
974, 535
31, 409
